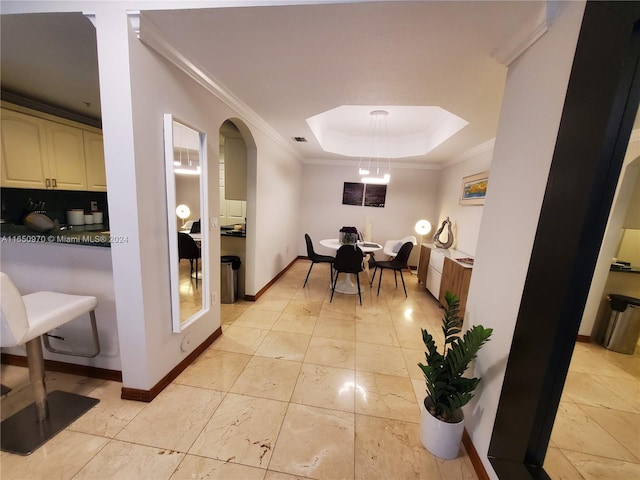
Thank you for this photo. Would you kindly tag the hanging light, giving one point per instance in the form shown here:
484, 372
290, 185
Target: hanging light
191, 164
377, 146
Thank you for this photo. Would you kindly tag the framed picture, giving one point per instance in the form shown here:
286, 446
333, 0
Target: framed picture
474, 189
375, 195
352, 193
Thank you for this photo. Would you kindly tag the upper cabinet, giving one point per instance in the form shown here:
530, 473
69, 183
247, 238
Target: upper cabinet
67, 167
25, 160
94, 158
42, 153
235, 162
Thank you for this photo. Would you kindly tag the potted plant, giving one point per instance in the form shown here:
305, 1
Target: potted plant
441, 421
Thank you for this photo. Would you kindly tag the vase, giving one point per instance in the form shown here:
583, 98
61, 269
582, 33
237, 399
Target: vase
440, 438
347, 238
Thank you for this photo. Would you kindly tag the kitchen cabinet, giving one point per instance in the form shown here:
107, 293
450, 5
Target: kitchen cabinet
24, 156
444, 273
235, 168
41, 153
94, 158
67, 167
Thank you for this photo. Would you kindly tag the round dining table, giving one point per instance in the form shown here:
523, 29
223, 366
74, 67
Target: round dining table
347, 283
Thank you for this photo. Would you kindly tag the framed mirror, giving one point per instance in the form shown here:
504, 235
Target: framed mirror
185, 156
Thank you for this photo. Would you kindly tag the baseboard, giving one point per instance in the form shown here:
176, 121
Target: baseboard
253, 298
478, 466
148, 395
63, 367
584, 338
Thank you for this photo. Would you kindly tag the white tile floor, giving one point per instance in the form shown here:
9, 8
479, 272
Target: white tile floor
297, 387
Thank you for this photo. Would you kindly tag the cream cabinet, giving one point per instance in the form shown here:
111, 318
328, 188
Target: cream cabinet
41, 153
235, 162
67, 167
24, 156
94, 159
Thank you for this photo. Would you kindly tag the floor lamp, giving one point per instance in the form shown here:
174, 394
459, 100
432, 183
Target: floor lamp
422, 228
183, 212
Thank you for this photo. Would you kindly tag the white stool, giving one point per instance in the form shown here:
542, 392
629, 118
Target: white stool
24, 320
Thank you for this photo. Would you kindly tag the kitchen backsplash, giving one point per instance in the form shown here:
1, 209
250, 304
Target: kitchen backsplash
16, 202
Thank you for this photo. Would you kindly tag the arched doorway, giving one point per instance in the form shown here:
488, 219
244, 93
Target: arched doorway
237, 199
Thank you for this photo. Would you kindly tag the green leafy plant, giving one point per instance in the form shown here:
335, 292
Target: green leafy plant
447, 389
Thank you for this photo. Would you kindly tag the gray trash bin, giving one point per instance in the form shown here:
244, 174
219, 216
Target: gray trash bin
229, 266
623, 328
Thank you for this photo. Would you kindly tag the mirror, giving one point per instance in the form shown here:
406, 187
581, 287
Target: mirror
186, 171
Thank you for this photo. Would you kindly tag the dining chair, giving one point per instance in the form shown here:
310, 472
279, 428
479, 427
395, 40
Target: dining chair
396, 264
349, 259
316, 258
392, 247
25, 321
188, 249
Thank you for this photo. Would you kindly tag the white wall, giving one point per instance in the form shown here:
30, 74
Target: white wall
188, 193
149, 348
411, 196
465, 218
272, 228
532, 106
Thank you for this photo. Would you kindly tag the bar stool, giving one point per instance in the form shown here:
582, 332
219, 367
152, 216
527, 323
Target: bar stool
24, 320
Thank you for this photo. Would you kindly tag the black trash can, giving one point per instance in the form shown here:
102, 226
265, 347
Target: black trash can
229, 266
623, 328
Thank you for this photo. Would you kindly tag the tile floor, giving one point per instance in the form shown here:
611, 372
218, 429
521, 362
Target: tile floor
597, 430
297, 387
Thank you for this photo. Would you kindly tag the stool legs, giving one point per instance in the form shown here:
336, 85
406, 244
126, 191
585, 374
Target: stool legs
36, 375
25, 431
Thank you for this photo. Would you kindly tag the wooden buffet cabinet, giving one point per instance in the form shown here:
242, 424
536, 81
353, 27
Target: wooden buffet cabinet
439, 271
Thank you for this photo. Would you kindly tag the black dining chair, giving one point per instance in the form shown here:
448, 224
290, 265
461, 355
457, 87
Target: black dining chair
397, 264
316, 258
349, 259
188, 249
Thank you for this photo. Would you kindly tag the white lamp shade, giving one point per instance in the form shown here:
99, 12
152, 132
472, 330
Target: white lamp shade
183, 212
422, 227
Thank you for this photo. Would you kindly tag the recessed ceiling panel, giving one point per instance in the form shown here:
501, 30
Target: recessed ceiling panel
404, 131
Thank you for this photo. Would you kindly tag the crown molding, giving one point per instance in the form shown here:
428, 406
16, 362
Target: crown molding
134, 20
531, 30
151, 36
472, 152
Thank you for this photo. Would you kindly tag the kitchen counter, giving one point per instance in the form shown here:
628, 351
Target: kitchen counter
87, 235
230, 231
625, 269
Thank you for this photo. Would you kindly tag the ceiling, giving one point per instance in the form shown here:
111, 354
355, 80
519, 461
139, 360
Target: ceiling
289, 63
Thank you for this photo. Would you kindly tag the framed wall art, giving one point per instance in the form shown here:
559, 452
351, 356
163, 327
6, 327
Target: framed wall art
474, 189
360, 194
352, 193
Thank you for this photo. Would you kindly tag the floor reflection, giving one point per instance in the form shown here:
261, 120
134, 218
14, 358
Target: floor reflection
190, 295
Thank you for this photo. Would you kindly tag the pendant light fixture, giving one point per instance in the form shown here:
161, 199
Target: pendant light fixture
370, 165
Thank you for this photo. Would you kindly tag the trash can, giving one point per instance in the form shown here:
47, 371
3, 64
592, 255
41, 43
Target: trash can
623, 328
229, 266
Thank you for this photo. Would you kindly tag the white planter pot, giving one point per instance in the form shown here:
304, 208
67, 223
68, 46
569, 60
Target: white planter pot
440, 438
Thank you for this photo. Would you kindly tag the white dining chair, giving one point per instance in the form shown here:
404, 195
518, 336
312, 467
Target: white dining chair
392, 247
25, 319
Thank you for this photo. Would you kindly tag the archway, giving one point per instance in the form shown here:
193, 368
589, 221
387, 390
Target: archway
237, 199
